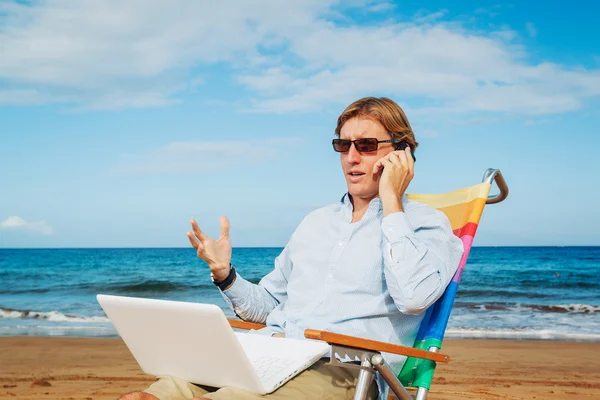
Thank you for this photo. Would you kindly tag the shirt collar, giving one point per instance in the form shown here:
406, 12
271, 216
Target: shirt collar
374, 206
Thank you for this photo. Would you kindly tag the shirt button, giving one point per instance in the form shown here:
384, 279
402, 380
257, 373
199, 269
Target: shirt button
340, 244
330, 275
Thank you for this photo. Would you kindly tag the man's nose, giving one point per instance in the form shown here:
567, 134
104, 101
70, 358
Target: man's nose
353, 154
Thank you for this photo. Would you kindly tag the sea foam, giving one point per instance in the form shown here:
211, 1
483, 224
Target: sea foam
526, 334
53, 316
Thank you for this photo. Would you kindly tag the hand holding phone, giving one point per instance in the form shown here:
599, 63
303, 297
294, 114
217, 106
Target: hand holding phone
397, 170
403, 145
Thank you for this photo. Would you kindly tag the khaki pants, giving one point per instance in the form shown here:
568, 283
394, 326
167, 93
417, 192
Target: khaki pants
321, 381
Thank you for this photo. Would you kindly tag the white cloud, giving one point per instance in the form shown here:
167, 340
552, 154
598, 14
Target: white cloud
462, 72
542, 121
115, 54
427, 17
292, 55
195, 156
382, 6
18, 223
21, 96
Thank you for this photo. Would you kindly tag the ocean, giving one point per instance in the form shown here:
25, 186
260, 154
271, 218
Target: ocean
522, 293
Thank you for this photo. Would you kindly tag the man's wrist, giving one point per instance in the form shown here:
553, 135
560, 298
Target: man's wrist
220, 271
391, 204
227, 282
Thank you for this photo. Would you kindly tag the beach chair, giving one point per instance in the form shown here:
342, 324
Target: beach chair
463, 208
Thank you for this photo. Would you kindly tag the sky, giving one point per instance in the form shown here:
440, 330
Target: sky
122, 120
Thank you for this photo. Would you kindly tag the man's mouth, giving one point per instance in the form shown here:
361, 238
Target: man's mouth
355, 176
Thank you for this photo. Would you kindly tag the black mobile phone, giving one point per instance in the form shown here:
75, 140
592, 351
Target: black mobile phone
403, 145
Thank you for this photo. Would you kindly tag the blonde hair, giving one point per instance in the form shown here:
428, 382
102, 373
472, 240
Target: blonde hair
386, 112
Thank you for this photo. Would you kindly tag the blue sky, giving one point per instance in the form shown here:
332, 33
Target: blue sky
120, 122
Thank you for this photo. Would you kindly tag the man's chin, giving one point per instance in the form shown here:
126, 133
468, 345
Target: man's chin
361, 193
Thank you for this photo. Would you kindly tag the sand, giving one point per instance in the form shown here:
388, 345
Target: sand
73, 368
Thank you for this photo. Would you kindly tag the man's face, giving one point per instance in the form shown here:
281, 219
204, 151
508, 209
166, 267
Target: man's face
358, 167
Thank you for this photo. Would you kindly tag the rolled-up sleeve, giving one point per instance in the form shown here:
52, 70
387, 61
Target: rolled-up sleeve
421, 255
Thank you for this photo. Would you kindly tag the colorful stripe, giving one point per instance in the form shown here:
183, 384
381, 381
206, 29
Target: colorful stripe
467, 242
463, 208
465, 195
463, 214
469, 229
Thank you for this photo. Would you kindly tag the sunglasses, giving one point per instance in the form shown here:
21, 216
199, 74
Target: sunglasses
366, 145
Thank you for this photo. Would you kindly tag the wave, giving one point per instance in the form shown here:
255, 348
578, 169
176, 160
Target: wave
486, 293
140, 287
21, 291
53, 316
558, 308
537, 288
541, 334
155, 286
541, 284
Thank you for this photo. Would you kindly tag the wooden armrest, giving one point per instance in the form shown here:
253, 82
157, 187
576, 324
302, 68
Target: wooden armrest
236, 323
351, 341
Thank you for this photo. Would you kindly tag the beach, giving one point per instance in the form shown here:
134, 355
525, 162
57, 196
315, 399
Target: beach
525, 323
102, 368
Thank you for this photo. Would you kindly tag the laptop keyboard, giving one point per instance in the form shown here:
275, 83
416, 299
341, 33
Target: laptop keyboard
267, 367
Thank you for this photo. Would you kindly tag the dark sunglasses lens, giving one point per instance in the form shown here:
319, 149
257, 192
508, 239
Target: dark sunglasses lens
341, 145
368, 144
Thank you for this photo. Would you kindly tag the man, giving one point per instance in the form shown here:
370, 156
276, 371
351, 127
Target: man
367, 266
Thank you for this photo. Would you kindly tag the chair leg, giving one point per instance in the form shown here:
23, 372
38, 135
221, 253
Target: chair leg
392, 380
421, 393
365, 378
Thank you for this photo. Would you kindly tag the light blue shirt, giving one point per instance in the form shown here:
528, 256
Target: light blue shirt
372, 278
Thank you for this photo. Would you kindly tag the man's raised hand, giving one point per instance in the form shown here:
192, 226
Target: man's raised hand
216, 253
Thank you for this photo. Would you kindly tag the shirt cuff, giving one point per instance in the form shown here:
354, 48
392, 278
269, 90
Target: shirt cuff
396, 227
239, 289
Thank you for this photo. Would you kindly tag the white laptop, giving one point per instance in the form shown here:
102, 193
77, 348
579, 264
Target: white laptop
195, 342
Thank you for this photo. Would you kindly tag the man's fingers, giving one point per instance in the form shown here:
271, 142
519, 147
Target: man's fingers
377, 167
198, 232
224, 226
409, 160
394, 157
398, 158
196, 243
385, 162
402, 158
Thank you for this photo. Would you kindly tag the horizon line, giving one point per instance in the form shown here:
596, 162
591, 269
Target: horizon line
259, 247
